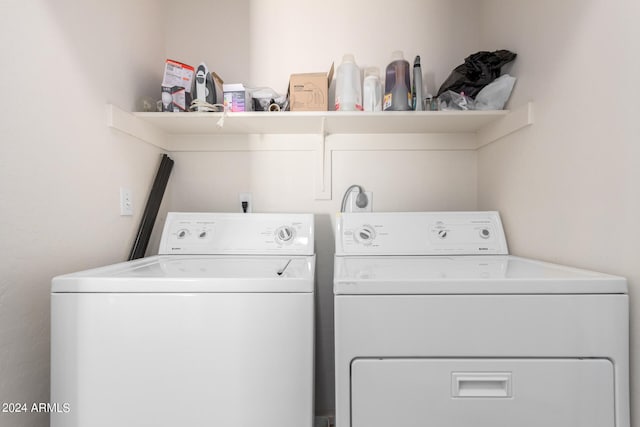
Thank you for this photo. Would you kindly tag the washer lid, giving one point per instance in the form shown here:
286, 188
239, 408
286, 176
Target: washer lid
434, 275
195, 273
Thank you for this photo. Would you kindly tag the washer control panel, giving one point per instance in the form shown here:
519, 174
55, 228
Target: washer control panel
420, 233
240, 234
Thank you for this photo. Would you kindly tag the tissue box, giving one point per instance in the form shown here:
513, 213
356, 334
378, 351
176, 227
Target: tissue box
236, 97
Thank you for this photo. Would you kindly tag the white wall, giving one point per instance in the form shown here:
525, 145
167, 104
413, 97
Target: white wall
567, 187
61, 167
215, 32
287, 36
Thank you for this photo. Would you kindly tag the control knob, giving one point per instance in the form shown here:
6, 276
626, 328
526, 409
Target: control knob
365, 235
285, 234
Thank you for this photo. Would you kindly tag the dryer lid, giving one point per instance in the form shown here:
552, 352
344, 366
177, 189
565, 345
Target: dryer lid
195, 273
434, 275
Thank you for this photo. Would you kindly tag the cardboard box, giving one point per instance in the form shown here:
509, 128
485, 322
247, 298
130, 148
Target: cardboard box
310, 91
236, 98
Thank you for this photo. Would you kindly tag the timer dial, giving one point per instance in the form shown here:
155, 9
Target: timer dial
285, 234
365, 234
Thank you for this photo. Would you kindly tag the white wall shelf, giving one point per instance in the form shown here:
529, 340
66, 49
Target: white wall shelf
184, 131
311, 122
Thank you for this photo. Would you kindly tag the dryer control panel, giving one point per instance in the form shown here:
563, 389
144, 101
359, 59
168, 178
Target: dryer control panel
420, 233
237, 234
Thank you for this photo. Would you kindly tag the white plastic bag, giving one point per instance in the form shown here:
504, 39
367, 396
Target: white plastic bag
495, 95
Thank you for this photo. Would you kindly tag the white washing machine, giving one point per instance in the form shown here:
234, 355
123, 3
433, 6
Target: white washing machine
217, 330
436, 325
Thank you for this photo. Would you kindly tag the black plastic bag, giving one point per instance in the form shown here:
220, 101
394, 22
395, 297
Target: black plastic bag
478, 70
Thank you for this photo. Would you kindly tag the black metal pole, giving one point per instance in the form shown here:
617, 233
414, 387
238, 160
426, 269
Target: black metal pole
151, 209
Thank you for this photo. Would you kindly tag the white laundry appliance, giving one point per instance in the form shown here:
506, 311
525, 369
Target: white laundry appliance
437, 326
217, 330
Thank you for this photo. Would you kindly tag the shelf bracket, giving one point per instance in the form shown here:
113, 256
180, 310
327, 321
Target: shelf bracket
323, 161
131, 125
516, 119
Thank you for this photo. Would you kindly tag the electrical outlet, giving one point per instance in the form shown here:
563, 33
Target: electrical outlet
245, 198
126, 202
351, 202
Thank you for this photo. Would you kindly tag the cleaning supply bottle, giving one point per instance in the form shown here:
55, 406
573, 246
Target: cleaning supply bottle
348, 88
416, 88
397, 92
372, 90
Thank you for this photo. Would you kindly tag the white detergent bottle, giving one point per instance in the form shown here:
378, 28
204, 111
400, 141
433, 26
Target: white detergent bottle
348, 88
372, 90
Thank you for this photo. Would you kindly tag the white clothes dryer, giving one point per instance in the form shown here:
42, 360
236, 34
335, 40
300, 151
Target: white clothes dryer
436, 325
216, 330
